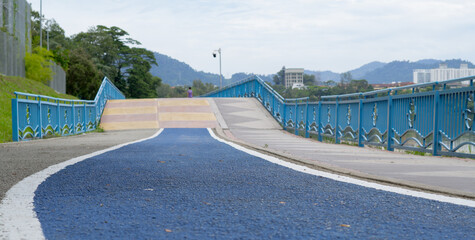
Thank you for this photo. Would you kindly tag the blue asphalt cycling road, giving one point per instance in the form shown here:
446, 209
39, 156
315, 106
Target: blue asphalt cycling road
185, 184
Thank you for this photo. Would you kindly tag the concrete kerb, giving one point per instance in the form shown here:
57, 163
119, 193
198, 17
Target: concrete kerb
349, 172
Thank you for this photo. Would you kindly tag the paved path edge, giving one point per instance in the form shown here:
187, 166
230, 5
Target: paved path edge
348, 172
18, 218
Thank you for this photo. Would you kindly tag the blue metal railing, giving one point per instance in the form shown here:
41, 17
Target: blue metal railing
37, 116
434, 117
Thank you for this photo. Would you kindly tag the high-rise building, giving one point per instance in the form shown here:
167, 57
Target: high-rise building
293, 76
442, 73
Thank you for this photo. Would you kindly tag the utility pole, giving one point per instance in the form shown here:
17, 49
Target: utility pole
41, 23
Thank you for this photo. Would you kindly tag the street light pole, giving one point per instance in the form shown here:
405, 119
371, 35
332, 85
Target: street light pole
41, 23
220, 75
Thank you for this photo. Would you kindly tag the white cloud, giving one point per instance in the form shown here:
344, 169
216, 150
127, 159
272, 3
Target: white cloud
261, 36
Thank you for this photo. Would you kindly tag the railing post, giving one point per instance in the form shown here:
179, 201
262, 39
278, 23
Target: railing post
319, 130
284, 123
15, 117
337, 140
360, 124
296, 124
58, 111
273, 105
40, 117
74, 119
307, 135
389, 123
85, 119
435, 131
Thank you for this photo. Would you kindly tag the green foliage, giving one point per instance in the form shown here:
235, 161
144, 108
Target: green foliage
315, 92
308, 80
198, 88
128, 67
83, 79
280, 77
59, 44
37, 65
417, 153
345, 78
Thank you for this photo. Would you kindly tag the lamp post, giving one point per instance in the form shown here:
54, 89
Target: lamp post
220, 75
41, 23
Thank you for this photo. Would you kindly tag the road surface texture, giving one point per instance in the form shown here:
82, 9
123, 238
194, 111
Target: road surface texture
22, 159
184, 184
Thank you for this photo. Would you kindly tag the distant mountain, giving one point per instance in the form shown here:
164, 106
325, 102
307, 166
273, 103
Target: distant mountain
402, 71
358, 73
323, 76
174, 72
367, 68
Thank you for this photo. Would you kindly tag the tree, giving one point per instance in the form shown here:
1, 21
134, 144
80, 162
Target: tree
308, 80
329, 83
141, 83
345, 78
359, 86
318, 78
82, 77
111, 52
279, 78
59, 44
200, 88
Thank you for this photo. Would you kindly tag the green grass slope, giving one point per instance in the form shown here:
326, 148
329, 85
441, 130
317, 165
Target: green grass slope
9, 85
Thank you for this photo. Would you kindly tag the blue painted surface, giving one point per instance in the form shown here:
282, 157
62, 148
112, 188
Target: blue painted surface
415, 117
199, 188
37, 116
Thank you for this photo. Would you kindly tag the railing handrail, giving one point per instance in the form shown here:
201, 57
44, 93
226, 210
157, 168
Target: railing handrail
425, 120
75, 118
51, 98
99, 92
395, 89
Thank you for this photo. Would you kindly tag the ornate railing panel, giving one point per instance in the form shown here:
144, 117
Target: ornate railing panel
37, 116
374, 121
433, 117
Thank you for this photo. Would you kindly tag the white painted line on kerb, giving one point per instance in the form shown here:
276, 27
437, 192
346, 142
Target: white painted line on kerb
18, 219
336, 177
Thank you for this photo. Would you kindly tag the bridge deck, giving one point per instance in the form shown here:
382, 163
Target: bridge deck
165, 164
245, 120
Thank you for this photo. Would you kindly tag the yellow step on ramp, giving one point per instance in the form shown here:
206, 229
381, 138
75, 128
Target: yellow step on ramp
158, 113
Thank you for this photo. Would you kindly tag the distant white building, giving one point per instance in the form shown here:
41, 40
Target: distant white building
293, 76
298, 86
442, 73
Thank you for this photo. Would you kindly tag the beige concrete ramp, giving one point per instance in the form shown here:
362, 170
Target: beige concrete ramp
158, 113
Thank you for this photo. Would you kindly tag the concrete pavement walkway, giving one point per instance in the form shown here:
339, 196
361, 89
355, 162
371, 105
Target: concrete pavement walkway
249, 123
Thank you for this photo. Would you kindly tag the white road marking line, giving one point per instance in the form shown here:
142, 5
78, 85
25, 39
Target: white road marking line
18, 219
340, 178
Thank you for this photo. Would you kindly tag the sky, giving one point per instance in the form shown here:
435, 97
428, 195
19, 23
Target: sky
261, 36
